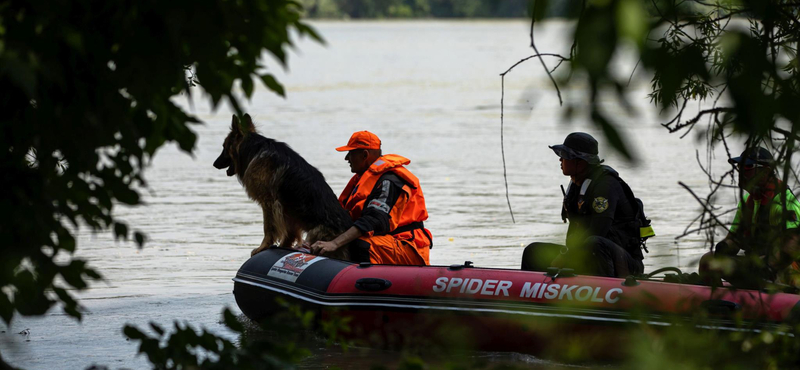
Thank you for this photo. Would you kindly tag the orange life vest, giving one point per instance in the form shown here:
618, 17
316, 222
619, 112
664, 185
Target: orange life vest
405, 225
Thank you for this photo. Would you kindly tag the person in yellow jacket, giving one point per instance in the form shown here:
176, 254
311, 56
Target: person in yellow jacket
765, 227
387, 206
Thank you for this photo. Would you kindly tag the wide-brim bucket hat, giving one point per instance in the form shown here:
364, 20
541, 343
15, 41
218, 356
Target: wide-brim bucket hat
578, 145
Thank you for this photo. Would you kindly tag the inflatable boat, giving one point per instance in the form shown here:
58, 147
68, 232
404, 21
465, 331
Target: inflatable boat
491, 309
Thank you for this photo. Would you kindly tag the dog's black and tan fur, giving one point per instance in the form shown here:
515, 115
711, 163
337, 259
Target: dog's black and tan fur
293, 195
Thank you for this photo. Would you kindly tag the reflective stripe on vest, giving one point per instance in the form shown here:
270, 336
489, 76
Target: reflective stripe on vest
775, 214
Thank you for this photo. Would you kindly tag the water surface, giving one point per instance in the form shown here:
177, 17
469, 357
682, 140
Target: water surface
431, 91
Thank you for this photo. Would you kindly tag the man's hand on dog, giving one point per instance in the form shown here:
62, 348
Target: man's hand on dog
325, 247
322, 247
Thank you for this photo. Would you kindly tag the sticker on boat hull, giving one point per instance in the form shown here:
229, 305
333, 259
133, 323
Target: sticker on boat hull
292, 265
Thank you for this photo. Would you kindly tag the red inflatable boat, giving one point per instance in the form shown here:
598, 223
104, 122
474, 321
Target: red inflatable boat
489, 309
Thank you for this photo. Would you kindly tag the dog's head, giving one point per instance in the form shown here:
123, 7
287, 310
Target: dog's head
230, 148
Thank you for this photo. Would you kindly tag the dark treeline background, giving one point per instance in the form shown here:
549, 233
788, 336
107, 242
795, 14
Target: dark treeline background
427, 8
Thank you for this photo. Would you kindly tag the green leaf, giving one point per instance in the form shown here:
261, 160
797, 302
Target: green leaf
157, 328
133, 333
596, 40
6, 309
30, 298
247, 86
120, 230
73, 39
271, 83
73, 273
20, 73
140, 239
612, 135
310, 31
231, 321
632, 21
70, 305
65, 240
538, 9
126, 195
91, 273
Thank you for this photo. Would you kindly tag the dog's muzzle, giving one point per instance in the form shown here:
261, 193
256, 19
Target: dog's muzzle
223, 162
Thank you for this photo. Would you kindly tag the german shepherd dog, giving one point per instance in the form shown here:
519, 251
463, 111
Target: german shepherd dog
293, 195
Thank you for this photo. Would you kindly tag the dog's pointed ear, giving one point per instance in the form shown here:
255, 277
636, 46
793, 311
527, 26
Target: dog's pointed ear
248, 123
235, 124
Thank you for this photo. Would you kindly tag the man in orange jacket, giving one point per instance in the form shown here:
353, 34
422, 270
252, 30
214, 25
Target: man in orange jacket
386, 204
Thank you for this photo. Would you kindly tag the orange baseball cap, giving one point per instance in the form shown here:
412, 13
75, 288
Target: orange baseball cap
361, 140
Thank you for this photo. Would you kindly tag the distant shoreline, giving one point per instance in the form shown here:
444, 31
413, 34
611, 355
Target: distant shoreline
422, 9
421, 19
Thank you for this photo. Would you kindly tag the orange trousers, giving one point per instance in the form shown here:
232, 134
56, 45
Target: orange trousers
387, 250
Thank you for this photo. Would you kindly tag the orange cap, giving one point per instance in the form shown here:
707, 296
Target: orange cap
361, 140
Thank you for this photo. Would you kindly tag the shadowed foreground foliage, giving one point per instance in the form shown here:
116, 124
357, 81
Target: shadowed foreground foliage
87, 88
686, 343
742, 54
739, 60
185, 348
87, 102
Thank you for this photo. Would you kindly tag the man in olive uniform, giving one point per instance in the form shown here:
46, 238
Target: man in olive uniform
603, 237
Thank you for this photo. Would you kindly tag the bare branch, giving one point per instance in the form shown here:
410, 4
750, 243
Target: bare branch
633, 71
541, 60
706, 207
534, 56
694, 120
786, 133
502, 146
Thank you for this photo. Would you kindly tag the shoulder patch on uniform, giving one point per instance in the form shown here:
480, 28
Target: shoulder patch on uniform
600, 204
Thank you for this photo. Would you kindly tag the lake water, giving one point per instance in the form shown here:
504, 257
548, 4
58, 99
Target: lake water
431, 91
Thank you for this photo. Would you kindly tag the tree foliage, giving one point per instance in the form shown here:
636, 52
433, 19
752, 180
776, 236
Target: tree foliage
416, 8
744, 51
185, 348
88, 90
739, 60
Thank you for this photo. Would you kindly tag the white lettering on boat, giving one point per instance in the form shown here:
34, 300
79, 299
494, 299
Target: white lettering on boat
529, 290
610, 292
441, 283
488, 287
472, 286
561, 292
586, 289
594, 296
503, 287
552, 291
566, 291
